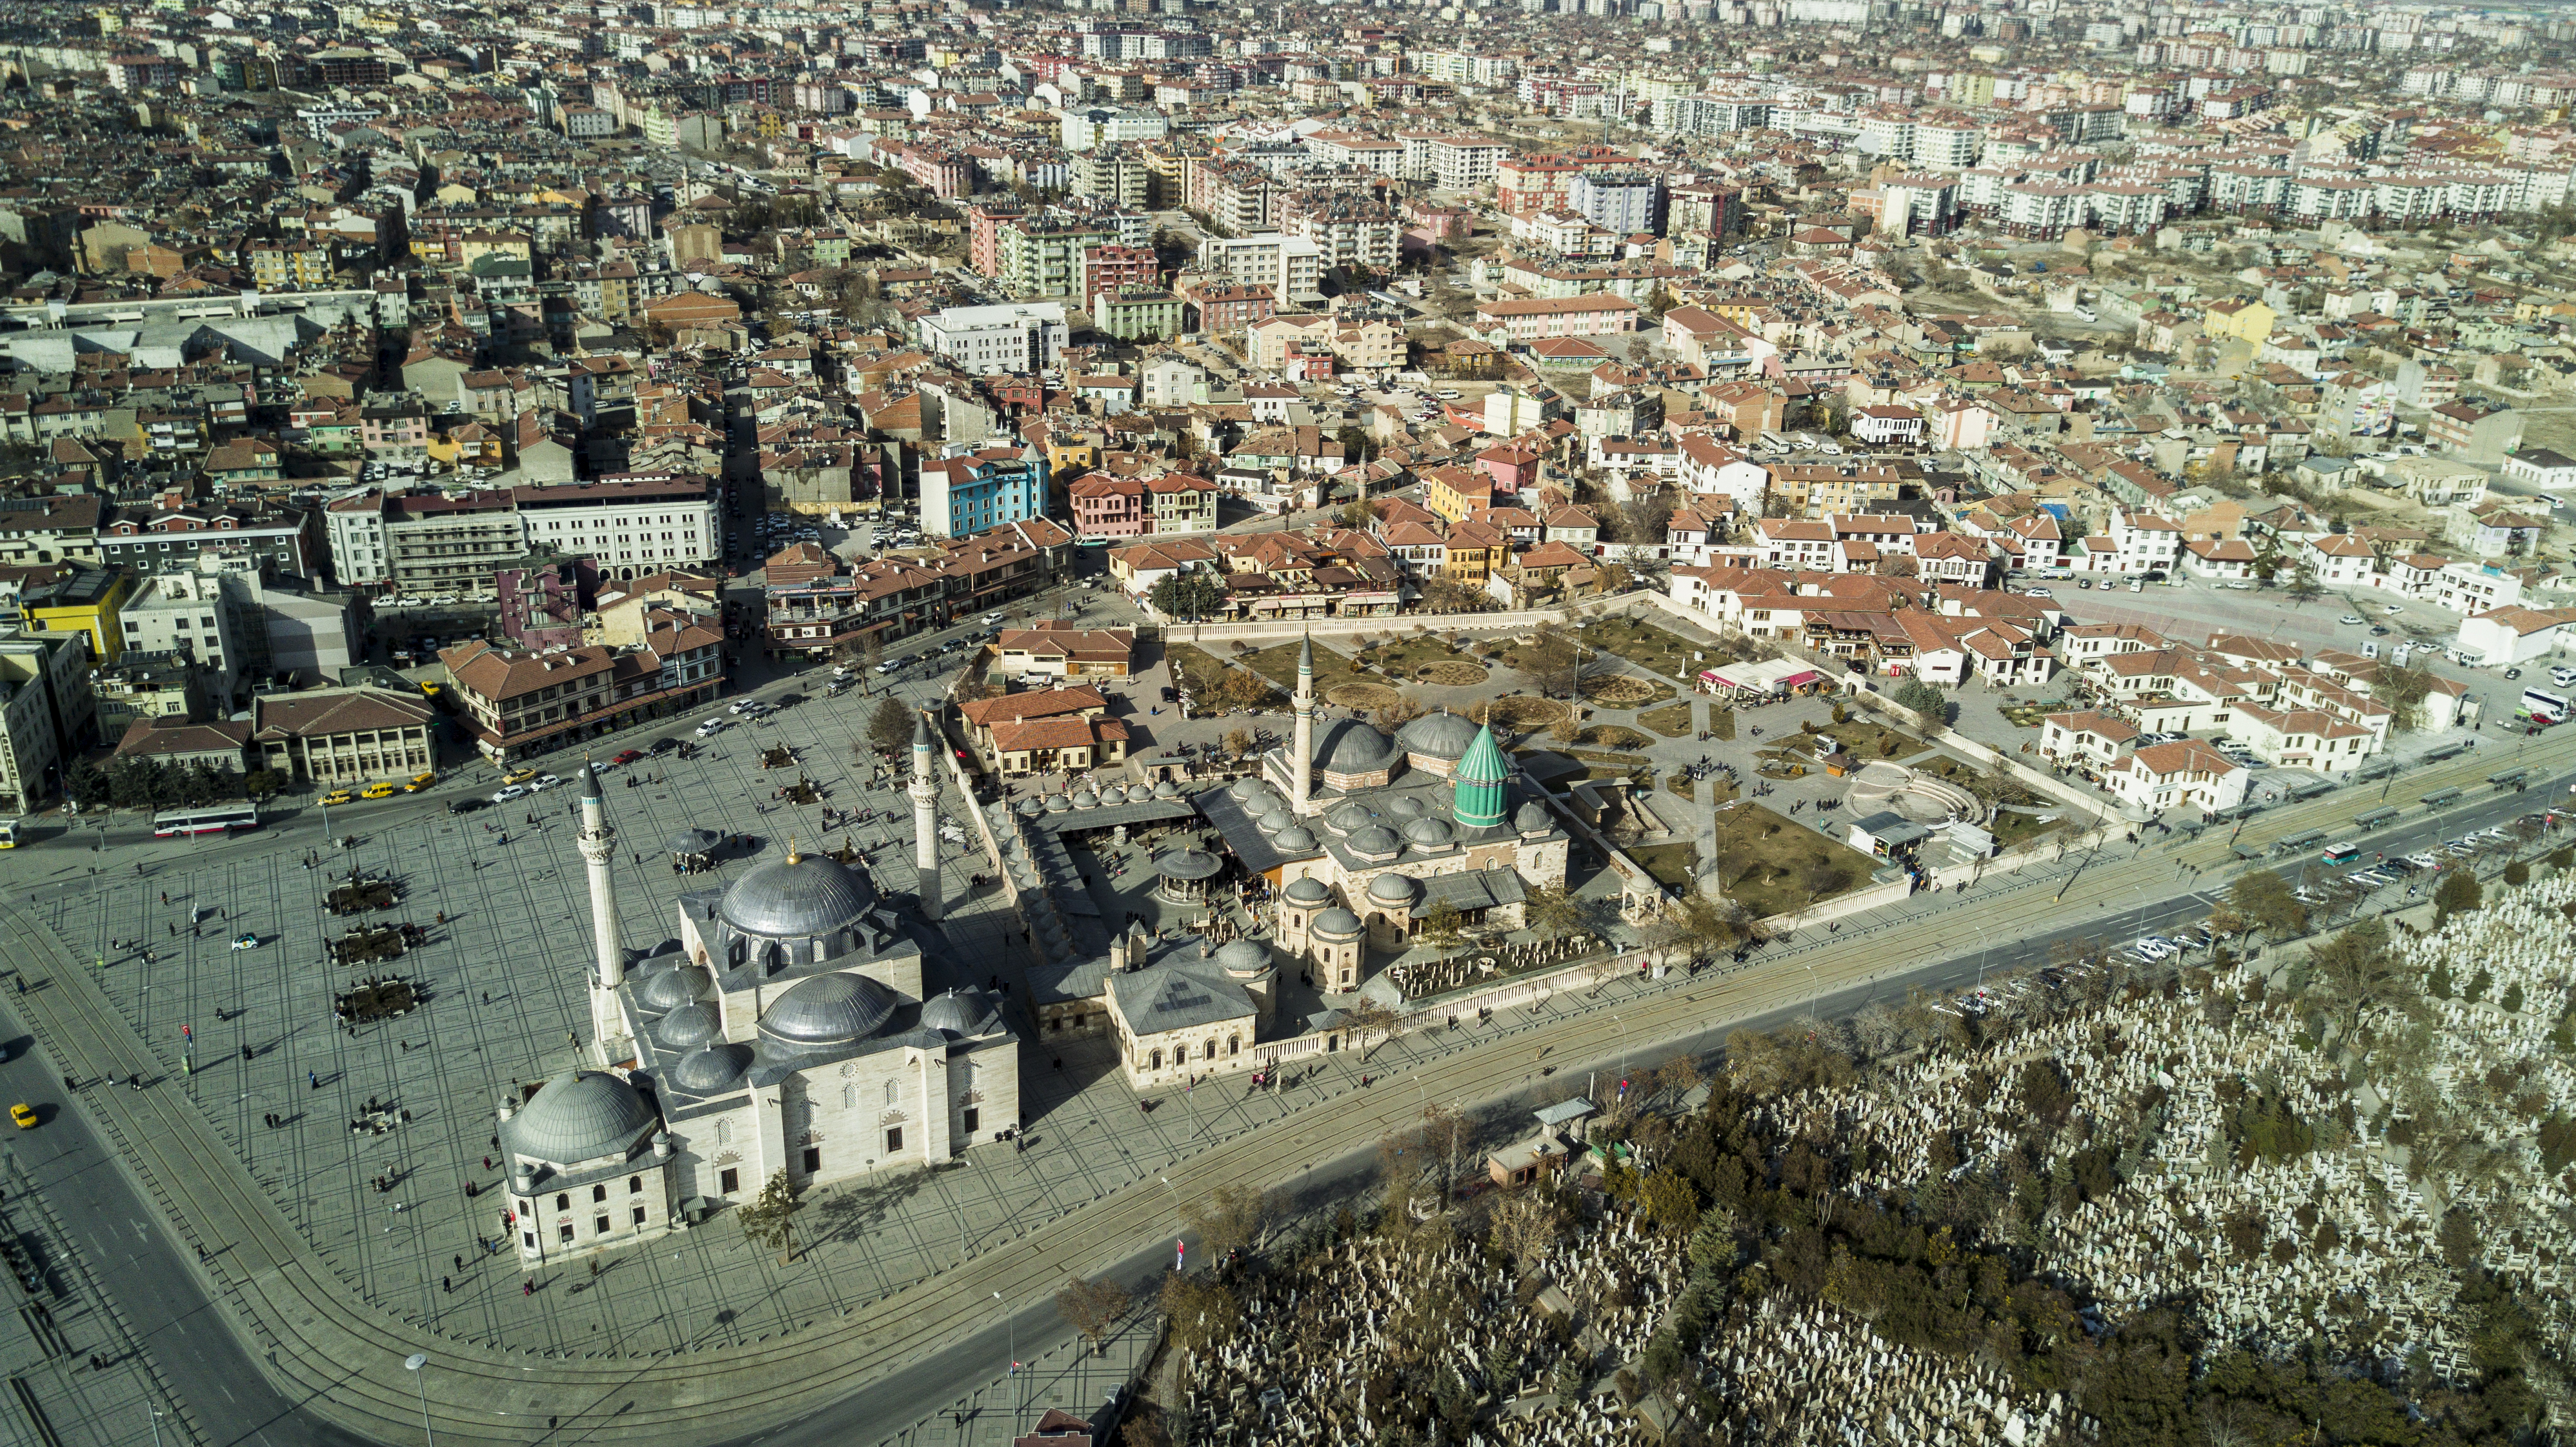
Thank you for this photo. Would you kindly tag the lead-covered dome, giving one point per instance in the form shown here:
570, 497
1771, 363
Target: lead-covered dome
687, 1026
1441, 735
956, 1012
1308, 891
579, 1115
1242, 957
801, 896
1428, 833
828, 1010
1533, 818
1337, 923
670, 989
1376, 842
1393, 890
1349, 817
1352, 747
710, 1069
1295, 839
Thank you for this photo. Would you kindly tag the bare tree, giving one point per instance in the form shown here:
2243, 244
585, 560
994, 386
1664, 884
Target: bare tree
1094, 1307
1229, 1220
1525, 1227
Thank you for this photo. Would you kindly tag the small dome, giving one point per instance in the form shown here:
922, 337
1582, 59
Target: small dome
687, 1026
828, 1010
1187, 862
1295, 839
1404, 806
579, 1116
1392, 890
671, 989
1309, 892
1441, 735
1276, 820
1349, 817
1114, 794
1244, 788
1057, 803
1085, 799
1533, 818
1167, 790
1261, 801
1242, 957
1031, 808
1428, 833
957, 1012
1352, 747
1376, 842
798, 896
710, 1069
1336, 924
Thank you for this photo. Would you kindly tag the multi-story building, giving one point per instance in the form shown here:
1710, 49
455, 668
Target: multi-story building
1088, 126
1225, 305
437, 544
1137, 313
976, 491
1535, 318
1041, 256
1113, 173
517, 704
1021, 337
48, 716
1623, 203
329, 736
629, 524
1292, 267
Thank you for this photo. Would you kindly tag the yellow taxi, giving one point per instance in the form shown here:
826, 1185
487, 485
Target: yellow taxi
378, 791
419, 782
518, 776
24, 1114
338, 797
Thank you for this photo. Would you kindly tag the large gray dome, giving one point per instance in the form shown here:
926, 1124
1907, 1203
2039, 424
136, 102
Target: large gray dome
1533, 818
1242, 957
670, 989
1392, 889
578, 1116
1293, 840
797, 897
1438, 735
1308, 891
1337, 924
710, 1069
1352, 747
1349, 817
828, 1010
956, 1012
1428, 832
687, 1026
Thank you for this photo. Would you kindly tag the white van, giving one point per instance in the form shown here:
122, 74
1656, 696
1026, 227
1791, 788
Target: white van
2563, 676
2370, 650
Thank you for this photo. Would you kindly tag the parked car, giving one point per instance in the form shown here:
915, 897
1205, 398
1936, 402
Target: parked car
2353, 618
627, 756
508, 792
338, 797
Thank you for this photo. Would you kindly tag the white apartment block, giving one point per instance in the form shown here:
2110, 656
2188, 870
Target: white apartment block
629, 524
1291, 266
1018, 337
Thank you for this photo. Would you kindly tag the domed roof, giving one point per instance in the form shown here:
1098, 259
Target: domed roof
710, 1069
1167, 790
1376, 842
1187, 862
1392, 889
1245, 787
1404, 806
1085, 799
1242, 957
1349, 817
1442, 735
828, 1010
1352, 747
1337, 923
1533, 818
1114, 794
578, 1116
1309, 891
956, 1012
799, 896
1261, 800
1429, 833
670, 989
687, 1026
1276, 820
1295, 839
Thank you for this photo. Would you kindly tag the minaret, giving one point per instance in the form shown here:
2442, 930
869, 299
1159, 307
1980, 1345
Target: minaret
1301, 752
598, 844
925, 817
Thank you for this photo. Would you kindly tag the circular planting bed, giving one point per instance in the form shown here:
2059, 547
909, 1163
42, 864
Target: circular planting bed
1612, 736
1449, 673
1621, 691
1362, 695
1519, 711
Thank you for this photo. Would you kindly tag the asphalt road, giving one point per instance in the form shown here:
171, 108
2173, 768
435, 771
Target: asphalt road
208, 1371
141, 1269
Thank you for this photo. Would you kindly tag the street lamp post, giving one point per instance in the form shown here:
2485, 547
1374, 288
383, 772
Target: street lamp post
414, 1364
1011, 1328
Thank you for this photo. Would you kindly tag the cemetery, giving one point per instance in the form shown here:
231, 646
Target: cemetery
2109, 1201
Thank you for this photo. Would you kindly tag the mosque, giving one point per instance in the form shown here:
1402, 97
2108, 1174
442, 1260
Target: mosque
1362, 836
783, 1030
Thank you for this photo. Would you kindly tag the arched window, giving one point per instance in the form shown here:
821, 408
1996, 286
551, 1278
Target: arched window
965, 1076
892, 1088
849, 1097
563, 1202
1156, 1062
599, 1192
635, 1185
724, 1132
1233, 1045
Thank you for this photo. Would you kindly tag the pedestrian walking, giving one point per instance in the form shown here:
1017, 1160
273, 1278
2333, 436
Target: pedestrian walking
313, 1080
446, 1285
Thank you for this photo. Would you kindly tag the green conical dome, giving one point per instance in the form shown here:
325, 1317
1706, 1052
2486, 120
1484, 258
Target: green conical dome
1476, 801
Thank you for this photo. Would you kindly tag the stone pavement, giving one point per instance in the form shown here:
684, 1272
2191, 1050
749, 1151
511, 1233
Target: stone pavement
343, 1352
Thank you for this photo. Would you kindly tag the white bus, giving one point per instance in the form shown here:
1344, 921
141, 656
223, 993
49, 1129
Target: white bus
2542, 707
214, 819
